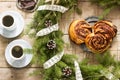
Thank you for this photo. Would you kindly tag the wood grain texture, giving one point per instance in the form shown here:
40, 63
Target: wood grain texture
88, 9
18, 74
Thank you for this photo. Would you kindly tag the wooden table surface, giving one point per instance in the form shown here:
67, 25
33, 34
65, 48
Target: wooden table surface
88, 9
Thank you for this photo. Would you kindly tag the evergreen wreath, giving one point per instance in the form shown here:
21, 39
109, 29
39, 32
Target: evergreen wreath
107, 5
64, 69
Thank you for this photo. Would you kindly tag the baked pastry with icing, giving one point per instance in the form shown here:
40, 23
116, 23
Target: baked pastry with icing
78, 31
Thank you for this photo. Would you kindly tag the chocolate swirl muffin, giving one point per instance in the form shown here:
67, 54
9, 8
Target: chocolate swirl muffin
78, 31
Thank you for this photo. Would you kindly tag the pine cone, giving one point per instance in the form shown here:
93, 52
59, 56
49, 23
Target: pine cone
67, 71
51, 44
48, 23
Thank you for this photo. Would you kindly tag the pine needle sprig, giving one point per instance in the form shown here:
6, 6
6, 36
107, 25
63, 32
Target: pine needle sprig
106, 59
42, 53
107, 6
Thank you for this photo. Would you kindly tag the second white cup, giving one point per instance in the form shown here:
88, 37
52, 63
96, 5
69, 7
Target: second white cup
16, 53
7, 21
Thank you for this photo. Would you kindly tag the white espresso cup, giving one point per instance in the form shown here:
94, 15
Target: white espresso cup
7, 21
17, 53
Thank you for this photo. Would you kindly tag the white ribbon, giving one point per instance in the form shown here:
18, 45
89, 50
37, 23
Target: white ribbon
48, 30
77, 71
47, 1
53, 8
53, 60
109, 75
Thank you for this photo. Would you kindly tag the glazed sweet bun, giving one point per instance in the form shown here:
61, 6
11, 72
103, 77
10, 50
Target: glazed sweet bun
78, 30
97, 43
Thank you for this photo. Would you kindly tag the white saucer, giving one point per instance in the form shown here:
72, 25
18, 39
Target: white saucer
19, 23
18, 63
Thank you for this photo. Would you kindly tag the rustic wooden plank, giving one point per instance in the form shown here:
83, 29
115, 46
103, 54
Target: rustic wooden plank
69, 45
18, 74
118, 38
7, 0
113, 14
29, 15
88, 10
114, 45
64, 25
8, 73
118, 55
5, 74
6, 6
3, 43
115, 53
90, 57
116, 22
80, 54
68, 15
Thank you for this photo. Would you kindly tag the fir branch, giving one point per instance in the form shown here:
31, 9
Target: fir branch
40, 50
105, 12
42, 53
78, 10
91, 70
69, 59
116, 72
107, 6
58, 72
106, 59
61, 64
35, 73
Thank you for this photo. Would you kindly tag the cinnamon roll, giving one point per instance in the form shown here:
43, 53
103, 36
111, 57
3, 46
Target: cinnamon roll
78, 30
106, 28
97, 43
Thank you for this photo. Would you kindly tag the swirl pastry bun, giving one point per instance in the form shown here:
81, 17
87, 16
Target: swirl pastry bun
106, 28
97, 38
78, 30
102, 36
97, 43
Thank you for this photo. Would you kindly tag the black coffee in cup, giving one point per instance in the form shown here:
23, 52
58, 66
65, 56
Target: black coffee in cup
8, 20
17, 51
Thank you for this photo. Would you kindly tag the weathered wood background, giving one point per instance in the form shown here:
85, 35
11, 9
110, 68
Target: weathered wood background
88, 9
